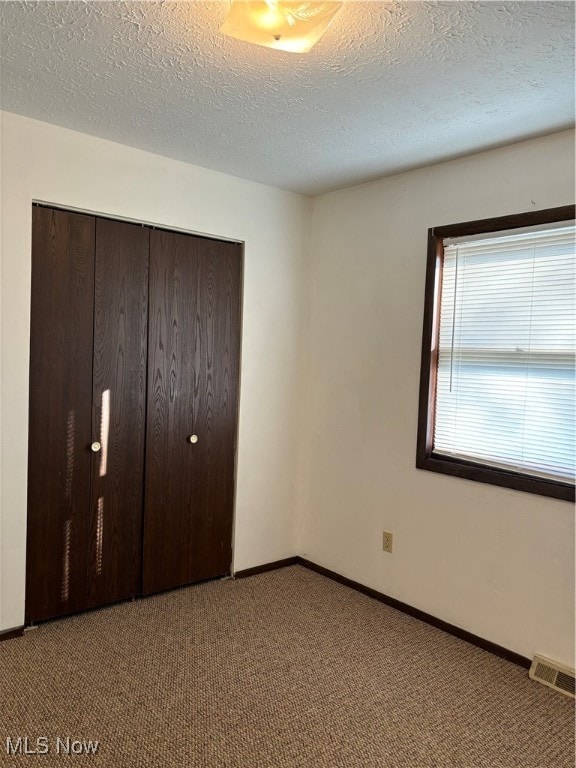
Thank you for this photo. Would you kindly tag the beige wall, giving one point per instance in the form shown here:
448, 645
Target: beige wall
330, 367
499, 563
43, 162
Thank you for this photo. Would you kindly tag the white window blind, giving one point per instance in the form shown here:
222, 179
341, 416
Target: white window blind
506, 352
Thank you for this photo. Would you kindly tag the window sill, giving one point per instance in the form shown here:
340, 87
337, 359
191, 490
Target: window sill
484, 474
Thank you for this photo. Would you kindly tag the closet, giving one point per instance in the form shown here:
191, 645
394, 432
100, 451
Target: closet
134, 369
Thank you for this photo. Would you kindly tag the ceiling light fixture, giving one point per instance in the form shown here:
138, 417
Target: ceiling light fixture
288, 26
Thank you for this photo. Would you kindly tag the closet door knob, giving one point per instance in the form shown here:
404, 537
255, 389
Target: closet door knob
95, 447
193, 439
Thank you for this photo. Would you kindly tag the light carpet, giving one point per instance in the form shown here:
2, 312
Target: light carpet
283, 670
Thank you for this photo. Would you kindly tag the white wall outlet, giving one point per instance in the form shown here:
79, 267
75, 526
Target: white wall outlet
387, 541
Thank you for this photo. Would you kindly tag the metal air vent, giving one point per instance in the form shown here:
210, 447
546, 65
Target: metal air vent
553, 674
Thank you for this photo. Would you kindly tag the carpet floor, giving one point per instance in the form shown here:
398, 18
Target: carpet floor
283, 670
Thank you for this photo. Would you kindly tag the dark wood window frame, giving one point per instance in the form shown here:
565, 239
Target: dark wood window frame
425, 456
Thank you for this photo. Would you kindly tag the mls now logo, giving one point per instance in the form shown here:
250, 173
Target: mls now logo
24, 745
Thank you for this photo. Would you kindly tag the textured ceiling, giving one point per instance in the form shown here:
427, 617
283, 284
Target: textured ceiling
391, 86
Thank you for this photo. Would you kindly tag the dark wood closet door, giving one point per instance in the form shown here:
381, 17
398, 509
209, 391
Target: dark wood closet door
87, 412
193, 355
118, 411
59, 455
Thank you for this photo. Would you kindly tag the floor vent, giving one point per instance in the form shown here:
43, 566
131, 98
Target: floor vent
552, 674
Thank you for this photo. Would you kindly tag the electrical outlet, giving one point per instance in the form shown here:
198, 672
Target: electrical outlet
387, 541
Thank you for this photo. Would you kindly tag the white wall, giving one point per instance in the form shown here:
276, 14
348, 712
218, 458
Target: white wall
498, 562
47, 163
330, 370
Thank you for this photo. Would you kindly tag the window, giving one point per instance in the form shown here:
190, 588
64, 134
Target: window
498, 354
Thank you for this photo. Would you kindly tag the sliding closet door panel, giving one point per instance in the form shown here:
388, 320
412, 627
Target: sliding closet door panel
118, 410
59, 456
168, 474
193, 356
215, 404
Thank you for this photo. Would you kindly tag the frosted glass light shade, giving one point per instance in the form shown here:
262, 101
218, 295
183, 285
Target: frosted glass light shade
288, 26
